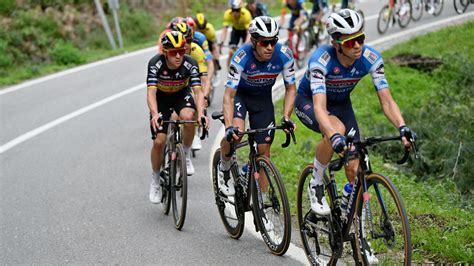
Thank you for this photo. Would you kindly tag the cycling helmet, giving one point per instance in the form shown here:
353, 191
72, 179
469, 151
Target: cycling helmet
201, 21
190, 22
346, 21
173, 40
185, 29
235, 4
263, 27
174, 21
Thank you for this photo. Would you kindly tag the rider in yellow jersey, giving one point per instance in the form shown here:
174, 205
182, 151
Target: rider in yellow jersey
206, 28
239, 18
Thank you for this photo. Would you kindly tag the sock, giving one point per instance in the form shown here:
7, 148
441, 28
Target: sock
156, 177
186, 149
318, 173
225, 165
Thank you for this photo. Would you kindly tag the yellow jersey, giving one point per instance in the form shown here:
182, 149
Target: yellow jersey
198, 54
209, 32
242, 23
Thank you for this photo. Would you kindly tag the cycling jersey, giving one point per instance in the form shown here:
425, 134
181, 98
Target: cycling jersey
249, 76
209, 32
198, 54
172, 80
295, 10
242, 23
326, 75
261, 10
200, 39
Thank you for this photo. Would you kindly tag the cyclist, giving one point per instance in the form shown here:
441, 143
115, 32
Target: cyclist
298, 16
171, 76
256, 9
252, 74
239, 18
206, 28
323, 101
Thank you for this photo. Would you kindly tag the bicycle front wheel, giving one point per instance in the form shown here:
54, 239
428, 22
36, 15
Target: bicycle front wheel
165, 180
460, 6
383, 232
417, 11
179, 186
302, 44
270, 206
438, 7
384, 19
230, 207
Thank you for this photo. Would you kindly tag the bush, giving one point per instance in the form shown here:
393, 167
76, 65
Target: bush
64, 53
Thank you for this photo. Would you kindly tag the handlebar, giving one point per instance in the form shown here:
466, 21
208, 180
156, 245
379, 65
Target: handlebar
204, 133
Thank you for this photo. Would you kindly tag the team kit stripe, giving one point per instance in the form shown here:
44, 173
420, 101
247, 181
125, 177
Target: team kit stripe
262, 76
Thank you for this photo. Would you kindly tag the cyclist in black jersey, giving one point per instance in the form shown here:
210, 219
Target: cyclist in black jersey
171, 77
257, 9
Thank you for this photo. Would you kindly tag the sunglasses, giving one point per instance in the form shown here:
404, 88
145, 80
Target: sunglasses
350, 42
189, 41
174, 52
265, 43
236, 10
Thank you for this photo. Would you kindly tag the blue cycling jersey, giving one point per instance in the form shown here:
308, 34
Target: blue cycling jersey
252, 77
296, 10
326, 75
201, 40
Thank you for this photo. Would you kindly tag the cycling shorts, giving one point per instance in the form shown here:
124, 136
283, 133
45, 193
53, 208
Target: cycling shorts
342, 110
167, 103
261, 114
236, 36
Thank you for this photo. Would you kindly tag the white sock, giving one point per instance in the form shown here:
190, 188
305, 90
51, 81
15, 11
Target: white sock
225, 165
156, 177
318, 173
186, 149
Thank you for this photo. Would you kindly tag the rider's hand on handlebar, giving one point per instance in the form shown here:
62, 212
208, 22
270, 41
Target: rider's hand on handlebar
156, 122
408, 136
288, 124
204, 122
338, 143
231, 133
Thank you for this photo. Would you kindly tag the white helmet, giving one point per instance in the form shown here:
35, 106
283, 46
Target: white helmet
235, 4
263, 26
346, 21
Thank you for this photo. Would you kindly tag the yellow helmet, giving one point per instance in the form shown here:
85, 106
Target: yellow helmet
201, 21
173, 40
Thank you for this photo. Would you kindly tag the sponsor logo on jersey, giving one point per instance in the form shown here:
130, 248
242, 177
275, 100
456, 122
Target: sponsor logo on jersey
239, 56
371, 56
317, 73
288, 53
324, 59
342, 83
153, 70
302, 115
232, 70
165, 72
380, 70
253, 66
306, 107
187, 65
159, 64
336, 70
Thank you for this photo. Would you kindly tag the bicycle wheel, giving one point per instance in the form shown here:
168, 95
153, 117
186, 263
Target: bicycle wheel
314, 230
404, 13
385, 229
302, 46
270, 206
460, 6
384, 19
230, 207
417, 11
438, 7
179, 186
165, 181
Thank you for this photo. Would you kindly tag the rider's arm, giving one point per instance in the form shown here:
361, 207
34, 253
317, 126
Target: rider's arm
228, 106
225, 24
152, 80
283, 12
195, 84
390, 108
289, 80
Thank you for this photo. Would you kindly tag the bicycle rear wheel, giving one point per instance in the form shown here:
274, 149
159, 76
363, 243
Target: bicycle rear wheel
438, 7
302, 45
230, 207
384, 19
460, 6
404, 13
314, 230
385, 229
417, 11
270, 206
179, 186
165, 180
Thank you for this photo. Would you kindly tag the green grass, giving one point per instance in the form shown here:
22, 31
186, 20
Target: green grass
440, 216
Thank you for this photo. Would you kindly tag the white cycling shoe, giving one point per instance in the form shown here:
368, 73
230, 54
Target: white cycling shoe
189, 165
319, 204
155, 192
226, 187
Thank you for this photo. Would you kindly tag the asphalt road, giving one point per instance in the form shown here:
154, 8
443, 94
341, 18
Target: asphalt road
75, 170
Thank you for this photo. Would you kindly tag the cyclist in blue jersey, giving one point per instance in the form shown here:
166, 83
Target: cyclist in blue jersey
323, 101
252, 73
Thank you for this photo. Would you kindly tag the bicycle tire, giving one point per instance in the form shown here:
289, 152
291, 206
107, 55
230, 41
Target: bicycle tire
276, 210
417, 11
179, 187
302, 49
460, 6
316, 242
404, 13
166, 185
384, 19
390, 240
438, 7
233, 225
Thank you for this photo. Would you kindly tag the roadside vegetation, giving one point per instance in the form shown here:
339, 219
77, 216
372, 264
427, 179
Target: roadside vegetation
437, 189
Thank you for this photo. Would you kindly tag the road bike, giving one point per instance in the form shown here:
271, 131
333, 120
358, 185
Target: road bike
263, 184
396, 11
461, 5
376, 223
173, 174
433, 7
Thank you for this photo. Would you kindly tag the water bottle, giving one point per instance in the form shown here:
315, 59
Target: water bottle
244, 170
346, 193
